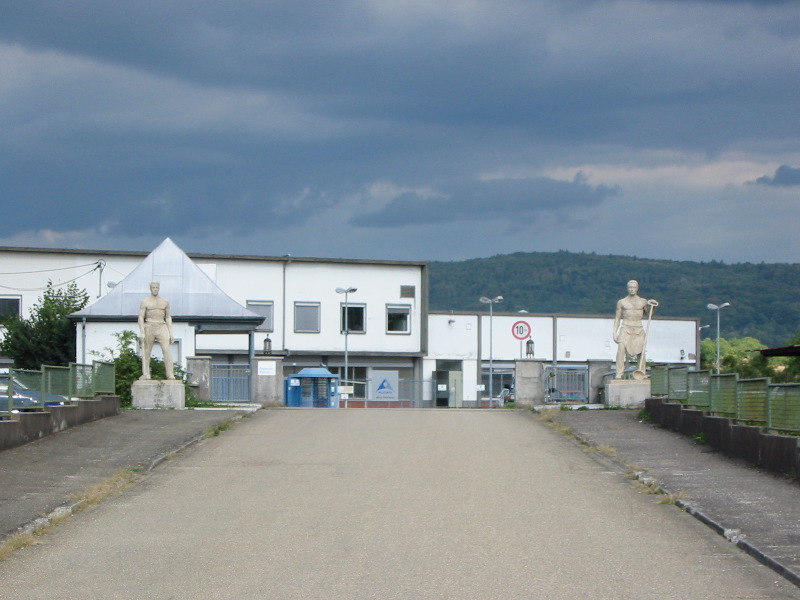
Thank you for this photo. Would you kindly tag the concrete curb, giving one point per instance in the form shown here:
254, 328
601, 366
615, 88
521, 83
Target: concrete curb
732, 535
70, 508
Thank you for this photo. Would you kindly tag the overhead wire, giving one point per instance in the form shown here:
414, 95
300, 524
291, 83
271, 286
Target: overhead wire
96, 265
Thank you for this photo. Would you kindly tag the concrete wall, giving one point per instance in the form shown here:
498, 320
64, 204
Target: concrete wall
756, 445
27, 427
268, 381
529, 387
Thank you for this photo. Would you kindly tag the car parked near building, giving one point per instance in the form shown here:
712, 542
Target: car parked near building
25, 399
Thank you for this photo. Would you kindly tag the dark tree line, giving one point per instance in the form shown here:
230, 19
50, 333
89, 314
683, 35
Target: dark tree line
765, 298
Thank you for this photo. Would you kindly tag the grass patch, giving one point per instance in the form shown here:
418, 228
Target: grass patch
215, 431
93, 496
608, 451
16, 542
671, 498
105, 489
648, 487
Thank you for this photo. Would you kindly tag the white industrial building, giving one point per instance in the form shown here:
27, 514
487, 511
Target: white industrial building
257, 318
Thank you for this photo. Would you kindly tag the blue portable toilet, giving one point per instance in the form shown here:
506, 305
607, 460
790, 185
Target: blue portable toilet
311, 387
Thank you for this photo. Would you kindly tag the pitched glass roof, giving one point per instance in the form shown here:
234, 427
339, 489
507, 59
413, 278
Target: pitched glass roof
192, 294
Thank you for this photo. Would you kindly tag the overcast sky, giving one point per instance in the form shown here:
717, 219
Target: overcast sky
403, 129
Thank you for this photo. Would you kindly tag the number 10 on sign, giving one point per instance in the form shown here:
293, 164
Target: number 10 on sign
521, 330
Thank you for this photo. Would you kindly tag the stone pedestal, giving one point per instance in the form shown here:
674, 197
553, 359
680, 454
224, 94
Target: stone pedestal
153, 393
627, 393
199, 370
528, 385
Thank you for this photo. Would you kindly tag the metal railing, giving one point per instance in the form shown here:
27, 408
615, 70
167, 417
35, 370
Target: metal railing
752, 401
783, 403
24, 390
699, 389
678, 384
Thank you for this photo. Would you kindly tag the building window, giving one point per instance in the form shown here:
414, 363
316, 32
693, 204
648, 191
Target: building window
9, 306
265, 309
356, 318
306, 317
398, 318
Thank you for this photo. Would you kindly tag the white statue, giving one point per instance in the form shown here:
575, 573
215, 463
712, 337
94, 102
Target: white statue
629, 334
155, 325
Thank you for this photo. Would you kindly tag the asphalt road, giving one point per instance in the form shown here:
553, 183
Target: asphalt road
411, 504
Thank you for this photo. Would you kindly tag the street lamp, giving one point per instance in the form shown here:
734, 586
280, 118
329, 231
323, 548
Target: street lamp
346, 291
718, 309
491, 302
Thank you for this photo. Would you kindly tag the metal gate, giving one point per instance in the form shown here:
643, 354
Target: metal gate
566, 384
412, 393
230, 383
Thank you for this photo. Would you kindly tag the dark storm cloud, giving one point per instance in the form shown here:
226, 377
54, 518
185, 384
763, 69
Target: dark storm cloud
508, 199
784, 176
203, 118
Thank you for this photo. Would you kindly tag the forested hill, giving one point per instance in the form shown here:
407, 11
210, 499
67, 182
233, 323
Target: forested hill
765, 298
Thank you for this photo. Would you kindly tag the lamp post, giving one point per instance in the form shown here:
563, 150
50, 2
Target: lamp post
491, 302
346, 292
718, 309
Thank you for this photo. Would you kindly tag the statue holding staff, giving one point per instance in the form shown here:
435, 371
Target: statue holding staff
629, 333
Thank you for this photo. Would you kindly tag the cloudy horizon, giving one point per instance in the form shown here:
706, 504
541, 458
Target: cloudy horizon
404, 129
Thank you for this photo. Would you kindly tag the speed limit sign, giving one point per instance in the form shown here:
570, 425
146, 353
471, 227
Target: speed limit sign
521, 330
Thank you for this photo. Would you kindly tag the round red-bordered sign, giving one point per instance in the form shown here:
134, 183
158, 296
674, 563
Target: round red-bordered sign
521, 330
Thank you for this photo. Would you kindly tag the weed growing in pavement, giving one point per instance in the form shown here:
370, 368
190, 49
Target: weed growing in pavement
16, 542
648, 487
609, 451
671, 498
700, 438
601, 449
215, 431
105, 489
94, 495
547, 414
645, 416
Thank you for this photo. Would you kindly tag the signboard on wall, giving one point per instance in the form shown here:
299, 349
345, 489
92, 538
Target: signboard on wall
385, 385
266, 368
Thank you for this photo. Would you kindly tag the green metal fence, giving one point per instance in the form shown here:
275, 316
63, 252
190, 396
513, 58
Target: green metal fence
754, 401
722, 392
784, 407
699, 389
659, 380
677, 382
25, 390
751, 400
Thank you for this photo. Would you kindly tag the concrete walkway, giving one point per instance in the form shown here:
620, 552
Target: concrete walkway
757, 510
407, 504
43, 479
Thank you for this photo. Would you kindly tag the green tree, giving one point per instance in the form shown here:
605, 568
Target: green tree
47, 337
741, 356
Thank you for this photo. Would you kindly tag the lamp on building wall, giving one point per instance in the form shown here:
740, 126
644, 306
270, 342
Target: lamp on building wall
529, 348
346, 292
491, 302
267, 345
718, 309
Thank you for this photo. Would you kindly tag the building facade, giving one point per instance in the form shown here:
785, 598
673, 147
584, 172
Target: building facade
371, 315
